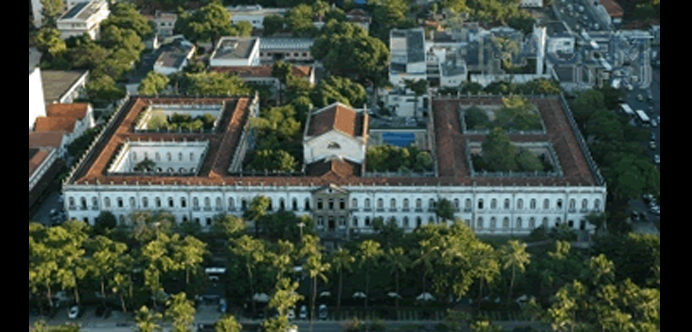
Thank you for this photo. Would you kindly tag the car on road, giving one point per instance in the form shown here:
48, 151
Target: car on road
303, 315
652, 145
324, 312
74, 313
657, 159
292, 315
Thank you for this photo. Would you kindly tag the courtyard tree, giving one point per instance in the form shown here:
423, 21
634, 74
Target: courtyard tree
189, 255
148, 321
228, 324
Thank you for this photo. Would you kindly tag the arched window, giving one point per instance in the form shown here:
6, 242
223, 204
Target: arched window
560, 204
231, 204
534, 204
368, 203
585, 205
481, 204
169, 156
84, 203
573, 205
506, 224
355, 222
334, 146
354, 203
380, 204
133, 203
307, 205
145, 202
219, 204
407, 222
171, 202
295, 204
158, 156
419, 204
508, 204
407, 204
532, 223
282, 205
469, 204
95, 203
392, 204
597, 205
493, 223
457, 204
520, 204
481, 223
493, 204
183, 203
158, 203
107, 202
520, 223
546, 204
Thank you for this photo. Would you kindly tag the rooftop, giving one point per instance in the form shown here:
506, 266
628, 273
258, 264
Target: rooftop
235, 48
337, 117
262, 71
450, 149
84, 10
56, 83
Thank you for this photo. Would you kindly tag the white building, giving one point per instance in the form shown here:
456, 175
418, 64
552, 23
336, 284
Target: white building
336, 190
408, 56
37, 9
84, 18
336, 131
254, 14
531, 3
236, 52
37, 105
294, 50
175, 56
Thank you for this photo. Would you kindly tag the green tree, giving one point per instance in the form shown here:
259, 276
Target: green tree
106, 257
52, 9
189, 255
252, 253
397, 263
369, 254
486, 266
273, 24
346, 50
148, 321
258, 210
214, 84
338, 89
48, 40
342, 261
181, 312
208, 24
318, 269
153, 84
228, 324
515, 258
498, 152
299, 20
445, 209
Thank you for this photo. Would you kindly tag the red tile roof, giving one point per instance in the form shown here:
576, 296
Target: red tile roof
338, 117
45, 125
262, 71
75, 111
613, 8
450, 150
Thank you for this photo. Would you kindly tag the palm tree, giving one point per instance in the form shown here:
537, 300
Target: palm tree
426, 258
252, 252
148, 321
228, 324
369, 253
397, 263
318, 269
342, 260
181, 312
486, 266
515, 258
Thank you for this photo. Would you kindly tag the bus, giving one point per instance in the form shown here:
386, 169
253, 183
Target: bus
627, 109
643, 118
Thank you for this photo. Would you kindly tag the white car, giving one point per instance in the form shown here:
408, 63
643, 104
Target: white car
303, 315
74, 313
291, 315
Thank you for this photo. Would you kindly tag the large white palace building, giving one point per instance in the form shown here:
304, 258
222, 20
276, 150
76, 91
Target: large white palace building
198, 176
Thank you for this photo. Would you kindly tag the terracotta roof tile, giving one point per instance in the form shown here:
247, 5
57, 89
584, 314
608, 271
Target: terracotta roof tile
44, 125
74, 111
337, 117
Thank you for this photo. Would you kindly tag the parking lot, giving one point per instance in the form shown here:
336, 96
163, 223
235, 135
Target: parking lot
579, 15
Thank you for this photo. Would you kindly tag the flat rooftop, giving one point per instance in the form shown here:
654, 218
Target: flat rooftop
235, 48
450, 150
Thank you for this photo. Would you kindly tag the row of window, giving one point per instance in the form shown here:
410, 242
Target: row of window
169, 156
158, 203
330, 204
533, 205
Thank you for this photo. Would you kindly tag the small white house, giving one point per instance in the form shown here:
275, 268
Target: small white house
84, 18
336, 131
236, 52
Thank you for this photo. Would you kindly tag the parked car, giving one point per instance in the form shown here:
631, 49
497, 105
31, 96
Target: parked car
303, 315
324, 312
74, 313
292, 315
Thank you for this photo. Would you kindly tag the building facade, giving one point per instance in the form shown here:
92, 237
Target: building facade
337, 192
84, 18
